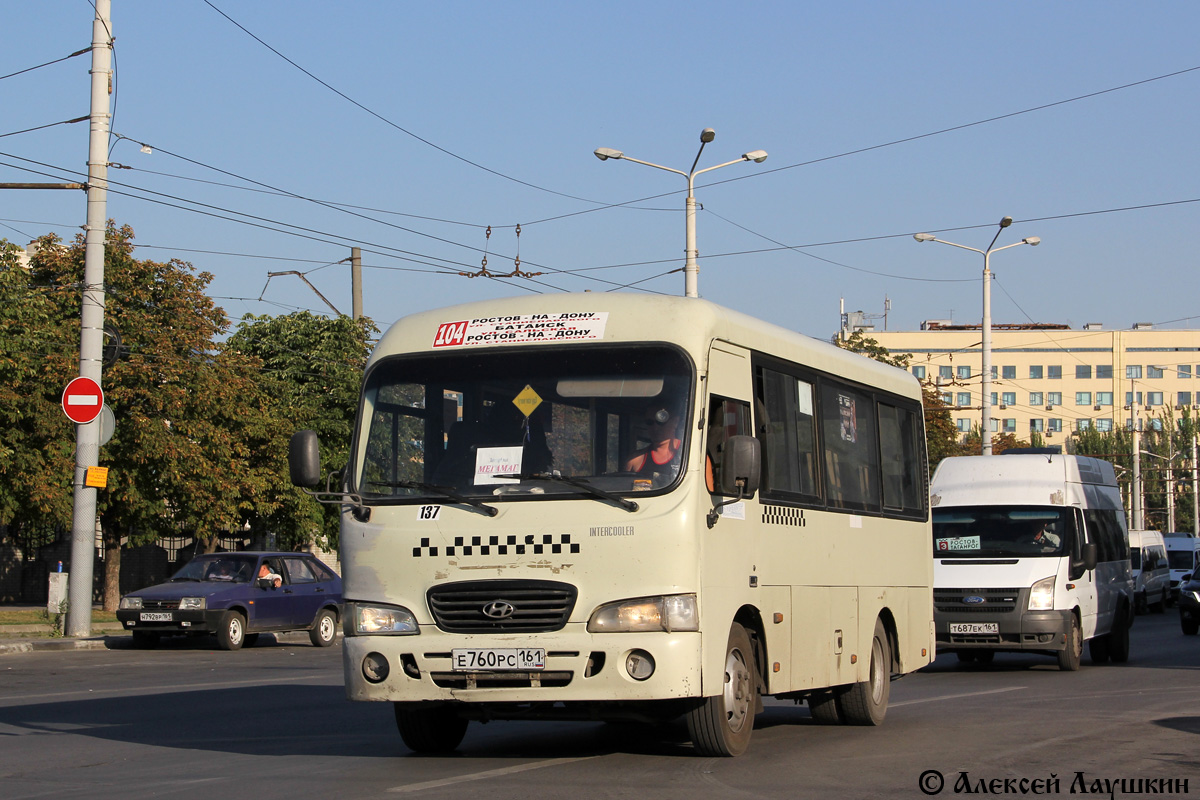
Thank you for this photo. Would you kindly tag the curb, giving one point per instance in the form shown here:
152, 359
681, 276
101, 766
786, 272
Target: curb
118, 642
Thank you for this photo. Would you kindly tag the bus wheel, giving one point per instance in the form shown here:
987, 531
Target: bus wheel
865, 703
1118, 638
429, 728
721, 725
822, 705
1068, 657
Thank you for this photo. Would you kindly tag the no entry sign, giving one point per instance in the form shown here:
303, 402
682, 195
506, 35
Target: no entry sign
82, 400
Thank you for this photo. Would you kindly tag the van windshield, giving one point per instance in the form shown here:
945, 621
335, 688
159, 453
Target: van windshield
1005, 531
524, 424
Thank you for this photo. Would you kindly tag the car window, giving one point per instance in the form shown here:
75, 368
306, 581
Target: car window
298, 570
321, 572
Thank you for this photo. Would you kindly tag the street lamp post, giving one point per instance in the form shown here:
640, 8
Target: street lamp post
691, 270
986, 416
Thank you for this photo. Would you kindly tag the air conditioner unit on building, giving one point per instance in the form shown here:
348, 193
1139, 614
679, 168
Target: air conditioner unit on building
1095, 408
1050, 407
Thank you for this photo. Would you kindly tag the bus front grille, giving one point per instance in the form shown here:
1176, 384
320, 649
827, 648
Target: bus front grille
503, 606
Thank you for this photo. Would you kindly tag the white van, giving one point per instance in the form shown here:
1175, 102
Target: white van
1183, 557
1031, 554
1151, 577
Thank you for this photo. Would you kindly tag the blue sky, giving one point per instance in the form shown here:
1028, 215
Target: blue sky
465, 115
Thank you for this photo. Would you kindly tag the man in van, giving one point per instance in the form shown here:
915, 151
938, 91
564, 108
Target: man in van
1042, 537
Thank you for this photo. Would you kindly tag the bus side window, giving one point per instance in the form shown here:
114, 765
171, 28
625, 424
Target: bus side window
726, 418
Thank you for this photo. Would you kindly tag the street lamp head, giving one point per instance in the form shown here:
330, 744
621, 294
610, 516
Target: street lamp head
757, 156
605, 153
1004, 223
924, 237
707, 135
1033, 240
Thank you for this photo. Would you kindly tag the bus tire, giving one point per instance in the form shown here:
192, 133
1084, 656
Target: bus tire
429, 727
231, 632
1118, 637
1068, 657
823, 707
721, 725
866, 702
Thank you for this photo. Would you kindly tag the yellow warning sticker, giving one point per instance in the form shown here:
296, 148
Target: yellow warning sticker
96, 477
527, 400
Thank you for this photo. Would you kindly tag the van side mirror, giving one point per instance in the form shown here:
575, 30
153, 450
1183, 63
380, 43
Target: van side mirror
741, 466
1090, 556
304, 459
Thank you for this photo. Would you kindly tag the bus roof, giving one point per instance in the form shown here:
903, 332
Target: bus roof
693, 324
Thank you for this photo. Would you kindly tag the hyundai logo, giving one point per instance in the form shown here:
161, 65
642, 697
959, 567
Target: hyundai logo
499, 609
973, 600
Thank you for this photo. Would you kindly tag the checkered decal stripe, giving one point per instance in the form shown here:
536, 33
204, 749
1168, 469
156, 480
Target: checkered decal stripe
783, 515
531, 544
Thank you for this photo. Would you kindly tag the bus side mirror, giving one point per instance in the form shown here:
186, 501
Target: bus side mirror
1089, 556
741, 465
304, 459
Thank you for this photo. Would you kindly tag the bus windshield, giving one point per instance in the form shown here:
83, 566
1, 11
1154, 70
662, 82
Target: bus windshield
523, 424
1004, 531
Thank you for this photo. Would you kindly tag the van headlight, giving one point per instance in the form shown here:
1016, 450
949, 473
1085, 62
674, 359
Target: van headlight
673, 612
371, 620
191, 603
1041, 596
131, 602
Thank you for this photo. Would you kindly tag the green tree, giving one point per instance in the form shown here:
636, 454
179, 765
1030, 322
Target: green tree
312, 368
191, 418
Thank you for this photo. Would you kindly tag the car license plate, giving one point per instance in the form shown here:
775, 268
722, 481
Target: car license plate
155, 616
974, 627
498, 659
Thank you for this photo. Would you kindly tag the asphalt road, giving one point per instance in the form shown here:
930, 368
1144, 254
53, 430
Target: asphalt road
187, 720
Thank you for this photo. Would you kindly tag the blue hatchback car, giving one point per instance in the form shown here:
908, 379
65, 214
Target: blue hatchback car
236, 596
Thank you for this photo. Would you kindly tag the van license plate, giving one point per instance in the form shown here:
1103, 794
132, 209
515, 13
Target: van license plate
151, 616
497, 659
974, 627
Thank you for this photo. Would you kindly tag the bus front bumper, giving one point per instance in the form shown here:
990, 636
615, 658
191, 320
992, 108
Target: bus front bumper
578, 666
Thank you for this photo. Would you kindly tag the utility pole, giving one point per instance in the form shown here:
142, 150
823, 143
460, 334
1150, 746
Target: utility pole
356, 281
91, 335
1135, 494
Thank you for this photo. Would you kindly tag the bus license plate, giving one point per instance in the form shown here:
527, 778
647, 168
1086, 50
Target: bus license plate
152, 616
497, 659
974, 627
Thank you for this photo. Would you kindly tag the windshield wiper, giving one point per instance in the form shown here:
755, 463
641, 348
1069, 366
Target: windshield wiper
590, 490
444, 491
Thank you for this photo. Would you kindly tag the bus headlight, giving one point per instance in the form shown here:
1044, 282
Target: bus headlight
382, 620
1041, 595
131, 602
191, 603
675, 612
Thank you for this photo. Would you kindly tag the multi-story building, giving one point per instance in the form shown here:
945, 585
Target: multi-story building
1052, 379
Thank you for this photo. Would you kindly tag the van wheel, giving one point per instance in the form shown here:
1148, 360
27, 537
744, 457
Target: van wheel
1118, 638
429, 727
865, 703
721, 725
1068, 657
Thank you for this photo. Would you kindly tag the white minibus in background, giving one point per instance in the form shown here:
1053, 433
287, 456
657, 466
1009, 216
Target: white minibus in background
1183, 557
621, 507
1031, 554
1148, 566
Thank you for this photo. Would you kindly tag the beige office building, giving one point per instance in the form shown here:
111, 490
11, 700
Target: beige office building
1052, 379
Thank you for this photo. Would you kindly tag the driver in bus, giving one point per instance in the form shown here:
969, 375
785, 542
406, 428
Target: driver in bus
1041, 536
661, 457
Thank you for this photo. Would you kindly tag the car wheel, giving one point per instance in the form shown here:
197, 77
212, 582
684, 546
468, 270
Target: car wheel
1068, 657
231, 633
429, 727
721, 725
324, 631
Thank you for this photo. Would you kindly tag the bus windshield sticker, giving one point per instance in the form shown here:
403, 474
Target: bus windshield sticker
849, 419
522, 329
527, 400
497, 465
958, 543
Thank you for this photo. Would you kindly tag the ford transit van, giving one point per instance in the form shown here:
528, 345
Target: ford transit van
1183, 557
1031, 554
1148, 566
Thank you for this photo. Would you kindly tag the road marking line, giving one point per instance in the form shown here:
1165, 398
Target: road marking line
478, 776
956, 696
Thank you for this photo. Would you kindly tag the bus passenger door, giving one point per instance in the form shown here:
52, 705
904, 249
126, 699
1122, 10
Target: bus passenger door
1097, 605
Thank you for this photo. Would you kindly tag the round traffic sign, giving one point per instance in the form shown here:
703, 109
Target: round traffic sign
82, 400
